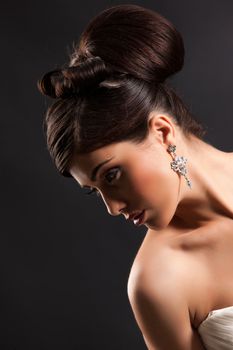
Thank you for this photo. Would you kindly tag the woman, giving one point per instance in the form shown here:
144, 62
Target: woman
118, 128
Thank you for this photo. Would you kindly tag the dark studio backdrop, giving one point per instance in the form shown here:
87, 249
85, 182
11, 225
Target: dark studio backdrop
64, 262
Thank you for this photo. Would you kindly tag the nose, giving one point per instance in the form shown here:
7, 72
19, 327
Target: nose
114, 206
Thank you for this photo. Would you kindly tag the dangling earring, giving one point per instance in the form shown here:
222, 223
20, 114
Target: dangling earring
179, 163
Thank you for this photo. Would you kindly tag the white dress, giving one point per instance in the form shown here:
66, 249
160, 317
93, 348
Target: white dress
216, 330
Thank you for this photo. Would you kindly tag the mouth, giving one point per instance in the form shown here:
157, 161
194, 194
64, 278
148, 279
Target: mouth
139, 219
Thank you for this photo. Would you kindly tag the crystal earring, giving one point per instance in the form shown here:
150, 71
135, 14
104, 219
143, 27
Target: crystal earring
179, 163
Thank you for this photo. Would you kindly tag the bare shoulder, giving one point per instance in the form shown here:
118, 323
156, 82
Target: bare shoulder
172, 284
158, 258
158, 264
159, 297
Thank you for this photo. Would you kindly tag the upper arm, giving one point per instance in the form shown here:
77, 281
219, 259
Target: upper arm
161, 311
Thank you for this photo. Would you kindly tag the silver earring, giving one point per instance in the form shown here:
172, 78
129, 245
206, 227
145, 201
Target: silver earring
179, 163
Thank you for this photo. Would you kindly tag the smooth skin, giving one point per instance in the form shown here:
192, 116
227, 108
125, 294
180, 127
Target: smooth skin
178, 274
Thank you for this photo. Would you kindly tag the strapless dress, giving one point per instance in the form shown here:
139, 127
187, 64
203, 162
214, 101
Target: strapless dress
216, 330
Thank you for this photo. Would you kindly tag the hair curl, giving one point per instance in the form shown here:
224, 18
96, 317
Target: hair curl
114, 80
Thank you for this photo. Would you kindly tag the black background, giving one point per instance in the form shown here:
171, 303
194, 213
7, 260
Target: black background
64, 262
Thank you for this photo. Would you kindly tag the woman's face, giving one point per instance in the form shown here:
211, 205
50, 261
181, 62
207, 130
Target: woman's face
134, 177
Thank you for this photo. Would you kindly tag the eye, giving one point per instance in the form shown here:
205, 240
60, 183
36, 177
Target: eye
112, 175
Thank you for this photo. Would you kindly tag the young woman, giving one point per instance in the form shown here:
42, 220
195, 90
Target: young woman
117, 127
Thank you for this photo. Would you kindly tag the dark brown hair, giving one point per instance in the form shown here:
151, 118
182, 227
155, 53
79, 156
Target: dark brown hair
115, 78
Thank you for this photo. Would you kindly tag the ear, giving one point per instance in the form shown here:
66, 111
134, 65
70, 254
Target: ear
162, 127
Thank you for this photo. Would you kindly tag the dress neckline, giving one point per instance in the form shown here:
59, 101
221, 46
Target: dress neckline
212, 312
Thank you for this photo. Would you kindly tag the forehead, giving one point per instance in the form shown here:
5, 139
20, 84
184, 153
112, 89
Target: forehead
81, 162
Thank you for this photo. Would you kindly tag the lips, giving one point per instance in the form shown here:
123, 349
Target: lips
138, 217
135, 215
139, 220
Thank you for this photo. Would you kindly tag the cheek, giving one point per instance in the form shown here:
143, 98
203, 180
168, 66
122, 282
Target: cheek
158, 188
154, 184
151, 178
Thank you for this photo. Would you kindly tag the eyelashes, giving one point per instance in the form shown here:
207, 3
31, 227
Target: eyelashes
93, 191
110, 176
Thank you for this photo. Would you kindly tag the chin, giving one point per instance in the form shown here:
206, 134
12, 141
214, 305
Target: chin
154, 226
157, 224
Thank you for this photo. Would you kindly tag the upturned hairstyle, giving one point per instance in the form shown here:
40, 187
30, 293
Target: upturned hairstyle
114, 79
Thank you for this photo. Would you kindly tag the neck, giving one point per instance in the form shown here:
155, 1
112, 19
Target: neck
210, 171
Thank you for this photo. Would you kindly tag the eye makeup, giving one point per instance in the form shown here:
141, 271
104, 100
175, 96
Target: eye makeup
110, 175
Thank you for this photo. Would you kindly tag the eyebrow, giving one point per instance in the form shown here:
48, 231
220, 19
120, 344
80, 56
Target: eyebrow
96, 169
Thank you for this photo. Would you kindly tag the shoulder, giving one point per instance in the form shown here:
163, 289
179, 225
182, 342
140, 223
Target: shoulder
156, 267
158, 292
155, 262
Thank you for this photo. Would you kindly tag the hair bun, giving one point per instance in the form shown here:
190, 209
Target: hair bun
74, 80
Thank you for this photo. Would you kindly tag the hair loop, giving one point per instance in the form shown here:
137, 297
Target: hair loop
75, 80
88, 74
